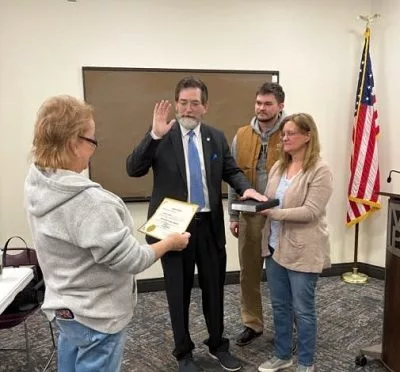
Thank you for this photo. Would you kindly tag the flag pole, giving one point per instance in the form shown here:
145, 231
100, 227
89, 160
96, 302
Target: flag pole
355, 276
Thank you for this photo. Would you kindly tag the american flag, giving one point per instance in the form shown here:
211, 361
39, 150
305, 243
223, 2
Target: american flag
364, 166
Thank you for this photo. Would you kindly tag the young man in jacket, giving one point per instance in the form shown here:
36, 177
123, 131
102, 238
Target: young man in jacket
255, 149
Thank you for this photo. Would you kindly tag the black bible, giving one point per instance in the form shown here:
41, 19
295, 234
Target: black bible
253, 206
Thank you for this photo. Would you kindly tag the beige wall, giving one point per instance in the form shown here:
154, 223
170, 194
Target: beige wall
316, 46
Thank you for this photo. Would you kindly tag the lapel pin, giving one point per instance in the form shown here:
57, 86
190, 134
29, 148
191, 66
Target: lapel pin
208, 139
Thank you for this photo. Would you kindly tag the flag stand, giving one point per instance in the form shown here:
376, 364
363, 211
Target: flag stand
354, 276
364, 181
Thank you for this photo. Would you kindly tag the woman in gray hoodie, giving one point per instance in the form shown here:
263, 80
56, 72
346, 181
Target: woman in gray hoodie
84, 239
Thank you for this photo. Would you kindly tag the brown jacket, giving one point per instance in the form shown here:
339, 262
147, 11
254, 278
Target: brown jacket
248, 146
303, 238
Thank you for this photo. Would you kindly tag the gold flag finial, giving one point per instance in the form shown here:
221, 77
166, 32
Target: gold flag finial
369, 18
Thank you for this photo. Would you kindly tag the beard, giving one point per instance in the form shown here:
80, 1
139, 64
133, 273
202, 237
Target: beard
188, 123
266, 118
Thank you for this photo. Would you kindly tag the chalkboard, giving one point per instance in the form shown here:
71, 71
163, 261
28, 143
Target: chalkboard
123, 101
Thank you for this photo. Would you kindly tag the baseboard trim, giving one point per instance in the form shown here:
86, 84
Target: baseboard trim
232, 277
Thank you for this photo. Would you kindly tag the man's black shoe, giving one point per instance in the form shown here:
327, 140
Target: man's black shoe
247, 336
226, 360
187, 364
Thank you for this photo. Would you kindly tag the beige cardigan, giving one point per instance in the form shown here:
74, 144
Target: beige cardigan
303, 238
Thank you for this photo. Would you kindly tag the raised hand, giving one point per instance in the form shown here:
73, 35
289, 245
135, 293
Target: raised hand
160, 116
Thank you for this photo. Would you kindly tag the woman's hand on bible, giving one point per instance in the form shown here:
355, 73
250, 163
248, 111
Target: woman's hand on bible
265, 212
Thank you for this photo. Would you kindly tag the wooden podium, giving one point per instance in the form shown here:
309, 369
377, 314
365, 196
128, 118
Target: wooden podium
389, 351
391, 312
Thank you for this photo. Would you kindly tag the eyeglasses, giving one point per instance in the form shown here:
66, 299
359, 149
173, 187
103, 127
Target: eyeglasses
185, 103
288, 134
90, 140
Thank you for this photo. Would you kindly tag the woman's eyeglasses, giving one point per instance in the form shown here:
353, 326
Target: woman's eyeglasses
90, 140
288, 134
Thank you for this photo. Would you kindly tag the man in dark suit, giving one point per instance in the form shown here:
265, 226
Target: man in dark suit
168, 149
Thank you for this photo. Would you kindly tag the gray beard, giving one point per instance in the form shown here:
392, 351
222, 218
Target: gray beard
188, 123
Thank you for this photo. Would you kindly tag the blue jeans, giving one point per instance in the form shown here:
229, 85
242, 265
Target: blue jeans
82, 349
293, 298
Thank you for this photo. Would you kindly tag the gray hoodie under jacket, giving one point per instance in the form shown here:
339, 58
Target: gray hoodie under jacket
83, 237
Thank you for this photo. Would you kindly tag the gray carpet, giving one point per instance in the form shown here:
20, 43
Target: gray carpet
349, 317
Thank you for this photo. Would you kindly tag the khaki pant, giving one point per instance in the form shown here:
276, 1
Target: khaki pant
251, 265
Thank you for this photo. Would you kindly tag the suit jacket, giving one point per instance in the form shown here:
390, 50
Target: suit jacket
167, 158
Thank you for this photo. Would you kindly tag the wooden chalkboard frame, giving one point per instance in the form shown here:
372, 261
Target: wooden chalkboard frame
106, 89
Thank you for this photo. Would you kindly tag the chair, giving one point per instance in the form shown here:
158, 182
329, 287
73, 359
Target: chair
28, 300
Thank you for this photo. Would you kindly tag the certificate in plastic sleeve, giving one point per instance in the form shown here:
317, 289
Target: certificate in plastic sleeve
172, 216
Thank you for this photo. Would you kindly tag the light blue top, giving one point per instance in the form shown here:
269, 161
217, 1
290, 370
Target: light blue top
284, 183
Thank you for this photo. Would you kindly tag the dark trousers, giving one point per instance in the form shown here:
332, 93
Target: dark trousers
178, 268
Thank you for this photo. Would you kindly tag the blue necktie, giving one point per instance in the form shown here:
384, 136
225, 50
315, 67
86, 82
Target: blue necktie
196, 183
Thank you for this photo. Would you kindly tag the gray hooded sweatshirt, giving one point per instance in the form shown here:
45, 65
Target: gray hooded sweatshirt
86, 250
261, 175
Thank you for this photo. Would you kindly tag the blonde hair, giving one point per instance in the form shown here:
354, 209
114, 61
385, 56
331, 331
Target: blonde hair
59, 119
306, 125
